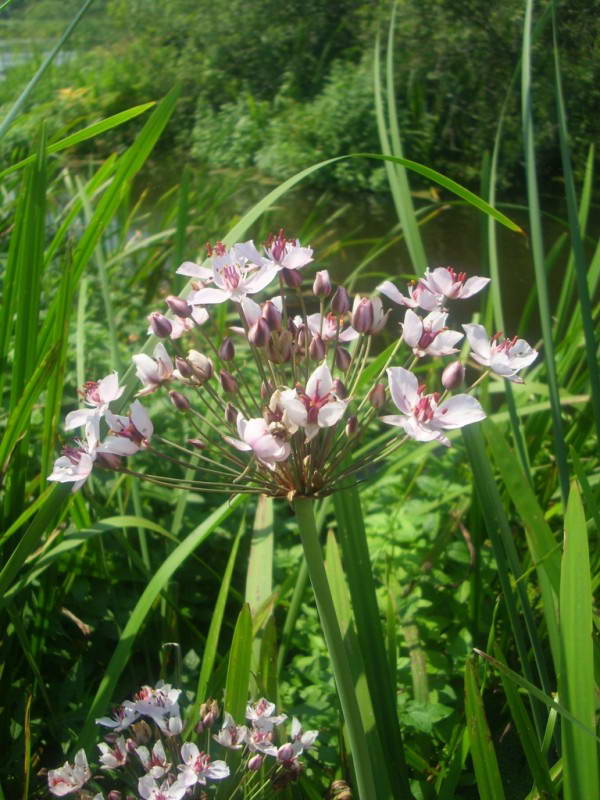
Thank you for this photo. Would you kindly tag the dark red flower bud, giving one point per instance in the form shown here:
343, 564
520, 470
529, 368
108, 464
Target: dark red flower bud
231, 414
226, 350
340, 302
377, 395
259, 333
271, 315
291, 277
228, 382
340, 389
160, 325
179, 306
317, 348
352, 427
180, 401
185, 369
362, 314
322, 284
343, 359
453, 375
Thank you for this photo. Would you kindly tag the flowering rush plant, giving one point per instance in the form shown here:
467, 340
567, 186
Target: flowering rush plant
279, 389
278, 401
144, 753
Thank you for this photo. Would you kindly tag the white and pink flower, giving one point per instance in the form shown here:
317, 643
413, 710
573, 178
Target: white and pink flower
231, 735
97, 395
285, 253
422, 418
150, 790
153, 372
445, 282
504, 357
155, 763
418, 295
261, 715
317, 406
67, 779
77, 461
124, 716
429, 336
129, 434
235, 273
115, 756
255, 436
198, 768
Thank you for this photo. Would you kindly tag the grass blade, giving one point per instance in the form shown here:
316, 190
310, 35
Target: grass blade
238, 670
83, 135
527, 737
577, 687
214, 631
537, 247
124, 647
357, 564
585, 305
22, 98
485, 763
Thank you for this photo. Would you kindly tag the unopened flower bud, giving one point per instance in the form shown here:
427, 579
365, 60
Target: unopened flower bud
201, 365
231, 414
343, 359
340, 302
108, 460
340, 389
453, 375
198, 444
291, 277
180, 401
114, 794
317, 348
266, 390
179, 306
255, 762
322, 284
362, 314
352, 427
271, 315
142, 733
184, 368
377, 395
228, 382
339, 790
285, 752
279, 347
302, 337
259, 333
160, 325
226, 350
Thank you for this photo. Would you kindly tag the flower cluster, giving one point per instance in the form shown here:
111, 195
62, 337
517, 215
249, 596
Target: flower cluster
144, 751
279, 400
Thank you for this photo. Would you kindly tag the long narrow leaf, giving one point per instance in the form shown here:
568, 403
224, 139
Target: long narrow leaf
580, 753
124, 647
485, 762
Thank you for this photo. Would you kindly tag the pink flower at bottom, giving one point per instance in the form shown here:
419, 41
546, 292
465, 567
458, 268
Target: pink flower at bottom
255, 436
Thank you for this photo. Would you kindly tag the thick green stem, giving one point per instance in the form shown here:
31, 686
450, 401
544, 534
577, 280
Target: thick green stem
304, 508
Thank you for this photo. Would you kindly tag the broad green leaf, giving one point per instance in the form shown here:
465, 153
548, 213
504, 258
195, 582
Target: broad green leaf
577, 687
487, 773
